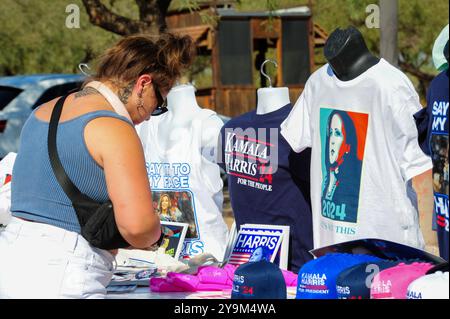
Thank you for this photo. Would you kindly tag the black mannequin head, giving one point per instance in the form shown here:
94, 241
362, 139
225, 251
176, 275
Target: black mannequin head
347, 53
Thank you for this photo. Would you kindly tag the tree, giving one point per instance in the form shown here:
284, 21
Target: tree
152, 14
34, 38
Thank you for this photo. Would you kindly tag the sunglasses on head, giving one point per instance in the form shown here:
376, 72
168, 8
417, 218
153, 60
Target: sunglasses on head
161, 108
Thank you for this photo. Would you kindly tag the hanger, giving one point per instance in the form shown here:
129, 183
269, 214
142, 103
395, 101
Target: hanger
264, 74
84, 65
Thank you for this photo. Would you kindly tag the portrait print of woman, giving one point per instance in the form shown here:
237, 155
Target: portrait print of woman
260, 253
176, 207
341, 184
166, 211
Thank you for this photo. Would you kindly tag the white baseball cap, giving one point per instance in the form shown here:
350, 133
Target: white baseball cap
433, 286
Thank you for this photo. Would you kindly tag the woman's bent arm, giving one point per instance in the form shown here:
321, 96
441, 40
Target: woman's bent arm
116, 147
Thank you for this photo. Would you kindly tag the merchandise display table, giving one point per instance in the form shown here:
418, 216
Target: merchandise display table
145, 293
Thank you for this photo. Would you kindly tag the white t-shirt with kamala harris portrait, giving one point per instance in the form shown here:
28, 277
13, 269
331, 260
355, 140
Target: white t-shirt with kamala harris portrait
364, 153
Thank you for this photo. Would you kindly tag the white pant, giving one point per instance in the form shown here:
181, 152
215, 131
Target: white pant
43, 261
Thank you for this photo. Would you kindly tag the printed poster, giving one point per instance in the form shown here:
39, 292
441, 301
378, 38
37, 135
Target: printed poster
282, 256
255, 245
174, 234
439, 152
176, 206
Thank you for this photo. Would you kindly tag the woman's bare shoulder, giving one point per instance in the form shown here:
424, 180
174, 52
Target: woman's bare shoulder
110, 137
74, 106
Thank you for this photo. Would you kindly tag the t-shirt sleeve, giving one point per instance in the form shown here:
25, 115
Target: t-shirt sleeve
422, 124
296, 128
412, 160
220, 156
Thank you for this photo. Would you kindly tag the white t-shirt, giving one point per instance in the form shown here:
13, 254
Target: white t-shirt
6, 167
364, 153
186, 186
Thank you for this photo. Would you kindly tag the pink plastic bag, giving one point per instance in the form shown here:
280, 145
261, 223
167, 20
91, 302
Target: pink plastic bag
208, 278
163, 285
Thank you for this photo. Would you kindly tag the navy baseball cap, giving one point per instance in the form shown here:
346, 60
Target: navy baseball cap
355, 282
258, 280
317, 278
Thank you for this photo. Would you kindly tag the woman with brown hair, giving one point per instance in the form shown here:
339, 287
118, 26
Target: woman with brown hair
42, 252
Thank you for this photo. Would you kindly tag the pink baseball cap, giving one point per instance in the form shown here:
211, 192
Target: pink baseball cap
392, 283
290, 278
216, 275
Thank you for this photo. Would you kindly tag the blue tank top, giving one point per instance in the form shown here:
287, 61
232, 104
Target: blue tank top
35, 193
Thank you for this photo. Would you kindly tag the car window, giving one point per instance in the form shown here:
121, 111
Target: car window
7, 94
57, 90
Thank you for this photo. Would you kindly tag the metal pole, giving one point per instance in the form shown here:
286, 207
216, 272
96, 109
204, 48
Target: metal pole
389, 31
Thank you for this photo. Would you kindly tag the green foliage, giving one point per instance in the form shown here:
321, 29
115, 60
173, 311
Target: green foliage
192, 5
420, 22
35, 39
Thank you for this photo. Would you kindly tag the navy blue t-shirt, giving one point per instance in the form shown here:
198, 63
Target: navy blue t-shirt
268, 182
437, 148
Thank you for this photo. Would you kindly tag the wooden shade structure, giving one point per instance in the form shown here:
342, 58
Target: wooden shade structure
237, 45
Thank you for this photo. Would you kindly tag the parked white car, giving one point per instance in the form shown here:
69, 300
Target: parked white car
20, 95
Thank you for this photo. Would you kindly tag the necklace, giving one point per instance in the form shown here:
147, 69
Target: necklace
334, 183
111, 97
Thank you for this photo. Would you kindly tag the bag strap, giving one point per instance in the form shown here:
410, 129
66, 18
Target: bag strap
69, 188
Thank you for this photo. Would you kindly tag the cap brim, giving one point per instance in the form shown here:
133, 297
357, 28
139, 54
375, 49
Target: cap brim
380, 248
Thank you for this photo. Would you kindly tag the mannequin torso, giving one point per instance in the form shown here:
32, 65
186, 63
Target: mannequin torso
183, 109
180, 151
271, 99
347, 54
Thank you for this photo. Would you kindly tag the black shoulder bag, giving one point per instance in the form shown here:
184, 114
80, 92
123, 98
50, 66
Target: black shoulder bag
97, 222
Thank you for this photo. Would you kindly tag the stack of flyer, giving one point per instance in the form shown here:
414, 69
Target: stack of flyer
254, 242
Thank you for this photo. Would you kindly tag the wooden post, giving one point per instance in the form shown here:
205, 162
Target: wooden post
280, 55
389, 31
216, 89
311, 44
